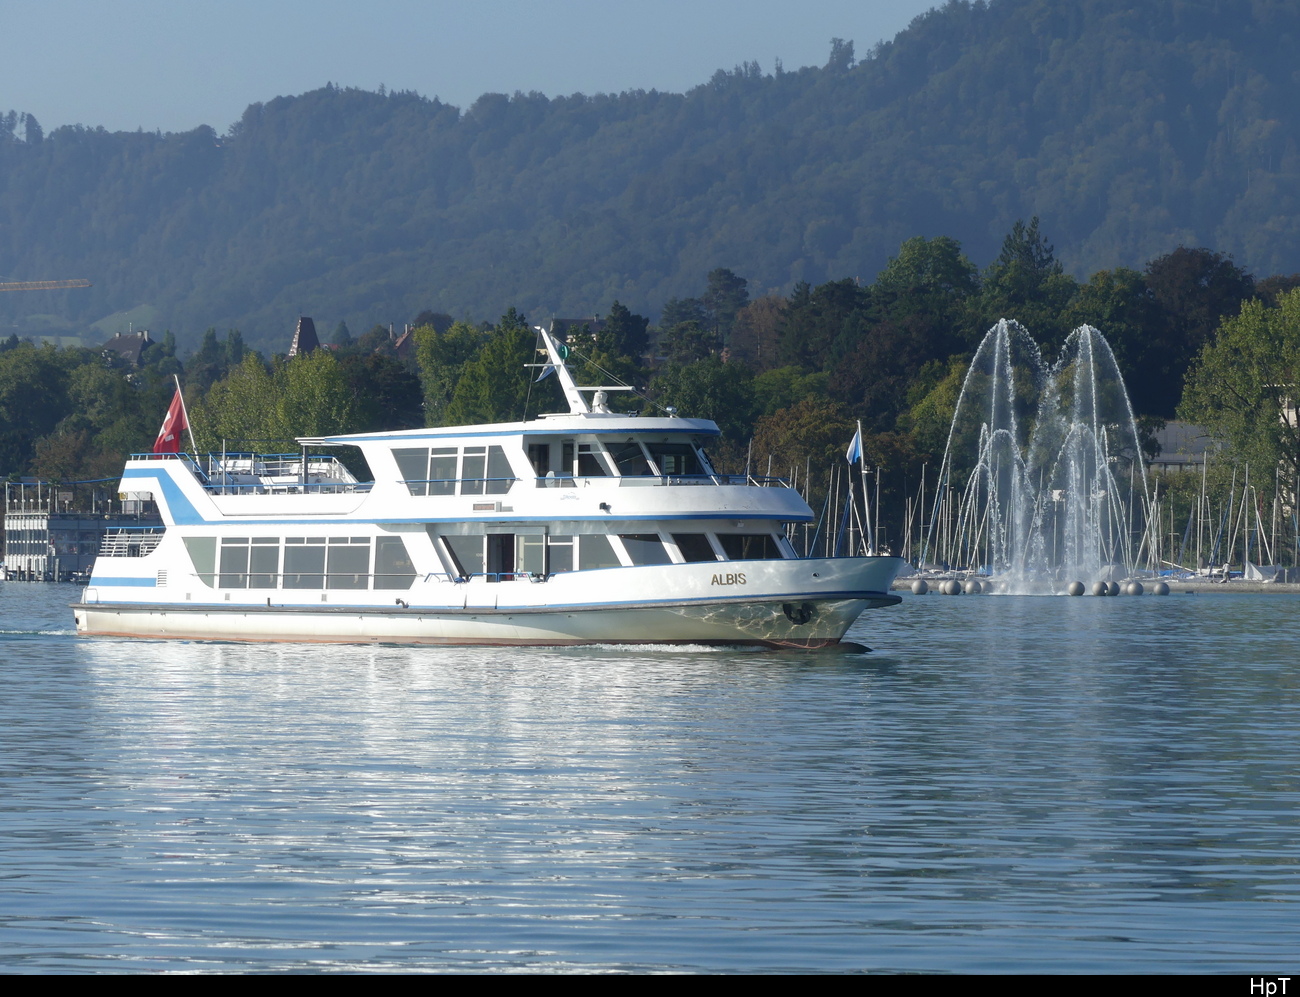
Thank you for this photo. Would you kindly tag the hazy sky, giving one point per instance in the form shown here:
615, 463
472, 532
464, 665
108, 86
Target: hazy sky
175, 65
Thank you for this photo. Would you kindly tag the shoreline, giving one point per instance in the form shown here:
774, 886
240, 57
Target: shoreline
1197, 587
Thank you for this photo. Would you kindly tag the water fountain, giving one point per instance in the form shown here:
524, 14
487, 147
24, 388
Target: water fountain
1043, 468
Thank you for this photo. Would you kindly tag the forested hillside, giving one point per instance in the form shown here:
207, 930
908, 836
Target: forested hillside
1129, 127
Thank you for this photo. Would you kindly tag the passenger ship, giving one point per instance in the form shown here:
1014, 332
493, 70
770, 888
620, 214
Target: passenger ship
576, 528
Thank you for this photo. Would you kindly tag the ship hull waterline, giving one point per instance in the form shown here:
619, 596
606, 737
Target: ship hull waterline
780, 623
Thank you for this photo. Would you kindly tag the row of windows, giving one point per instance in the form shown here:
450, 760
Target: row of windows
631, 458
347, 562
451, 470
301, 562
508, 553
486, 470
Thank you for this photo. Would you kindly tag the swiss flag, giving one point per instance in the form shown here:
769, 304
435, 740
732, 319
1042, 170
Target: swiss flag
169, 437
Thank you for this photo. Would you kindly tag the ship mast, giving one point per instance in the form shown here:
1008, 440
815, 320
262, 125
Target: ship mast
556, 354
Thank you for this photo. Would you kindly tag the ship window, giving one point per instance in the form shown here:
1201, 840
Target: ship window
467, 552
304, 563
393, 567
645, 548
413, 463
530, 557
590, 462
630, 460
694, 547
595, 551
499, 473
234, 563
264, 562
203, 555
348, 564
676, 459
559, 552
749, 546
471, 470
442, 471
539, 455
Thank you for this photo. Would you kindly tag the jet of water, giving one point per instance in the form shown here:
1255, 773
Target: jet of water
1043, 465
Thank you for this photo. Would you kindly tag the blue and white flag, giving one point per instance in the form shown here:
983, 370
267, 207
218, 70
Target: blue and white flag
547, 371
855, 448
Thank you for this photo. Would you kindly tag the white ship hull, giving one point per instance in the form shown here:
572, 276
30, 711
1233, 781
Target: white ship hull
807, 603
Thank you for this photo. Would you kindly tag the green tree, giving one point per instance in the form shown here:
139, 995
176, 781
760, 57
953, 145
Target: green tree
1245, 384
710, 389
725, 295
33, 399
313, 397
783, 387
1119, 303
931, 275
1195, 290
1027, 283
497, 386
239, 411
755, 336
624, 334
382, 393
441, 358
687, 342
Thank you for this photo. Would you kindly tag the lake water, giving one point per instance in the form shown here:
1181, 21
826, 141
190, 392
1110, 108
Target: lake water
1006, 784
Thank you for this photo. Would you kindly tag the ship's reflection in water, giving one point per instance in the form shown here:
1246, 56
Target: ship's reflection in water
1008, 784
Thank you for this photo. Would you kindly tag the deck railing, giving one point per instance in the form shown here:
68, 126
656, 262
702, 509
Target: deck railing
266, 474
663, 480
130, 541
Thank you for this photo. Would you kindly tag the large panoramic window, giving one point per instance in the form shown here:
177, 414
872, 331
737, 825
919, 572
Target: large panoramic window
304, 563
595, 551
675, 459
348, 563
433, 471
749, 546
694, 547
630, 459
393, 567
645, 548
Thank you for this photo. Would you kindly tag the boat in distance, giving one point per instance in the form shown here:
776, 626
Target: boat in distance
576, 528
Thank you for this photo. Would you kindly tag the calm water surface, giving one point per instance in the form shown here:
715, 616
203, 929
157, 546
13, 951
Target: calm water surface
1005, 784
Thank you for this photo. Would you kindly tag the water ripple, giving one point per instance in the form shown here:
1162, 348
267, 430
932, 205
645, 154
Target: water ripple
1009, 784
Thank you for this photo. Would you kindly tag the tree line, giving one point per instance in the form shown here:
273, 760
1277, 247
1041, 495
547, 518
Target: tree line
787, 378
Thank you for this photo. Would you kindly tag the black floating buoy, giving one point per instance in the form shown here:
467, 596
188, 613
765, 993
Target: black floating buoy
1076, 588
919, 587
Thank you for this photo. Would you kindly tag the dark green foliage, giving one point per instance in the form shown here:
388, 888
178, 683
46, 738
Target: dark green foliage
384, 394
687, 342
624, 334
710, 389
342, 337
821, 324
726, 295
1027, 283
496, 386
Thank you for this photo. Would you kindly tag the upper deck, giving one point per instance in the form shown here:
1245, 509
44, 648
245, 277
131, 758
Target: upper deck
587, 464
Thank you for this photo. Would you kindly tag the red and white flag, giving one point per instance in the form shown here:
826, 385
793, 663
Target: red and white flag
169, 437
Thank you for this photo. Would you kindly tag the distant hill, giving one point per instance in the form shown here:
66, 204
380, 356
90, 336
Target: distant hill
1128, 126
